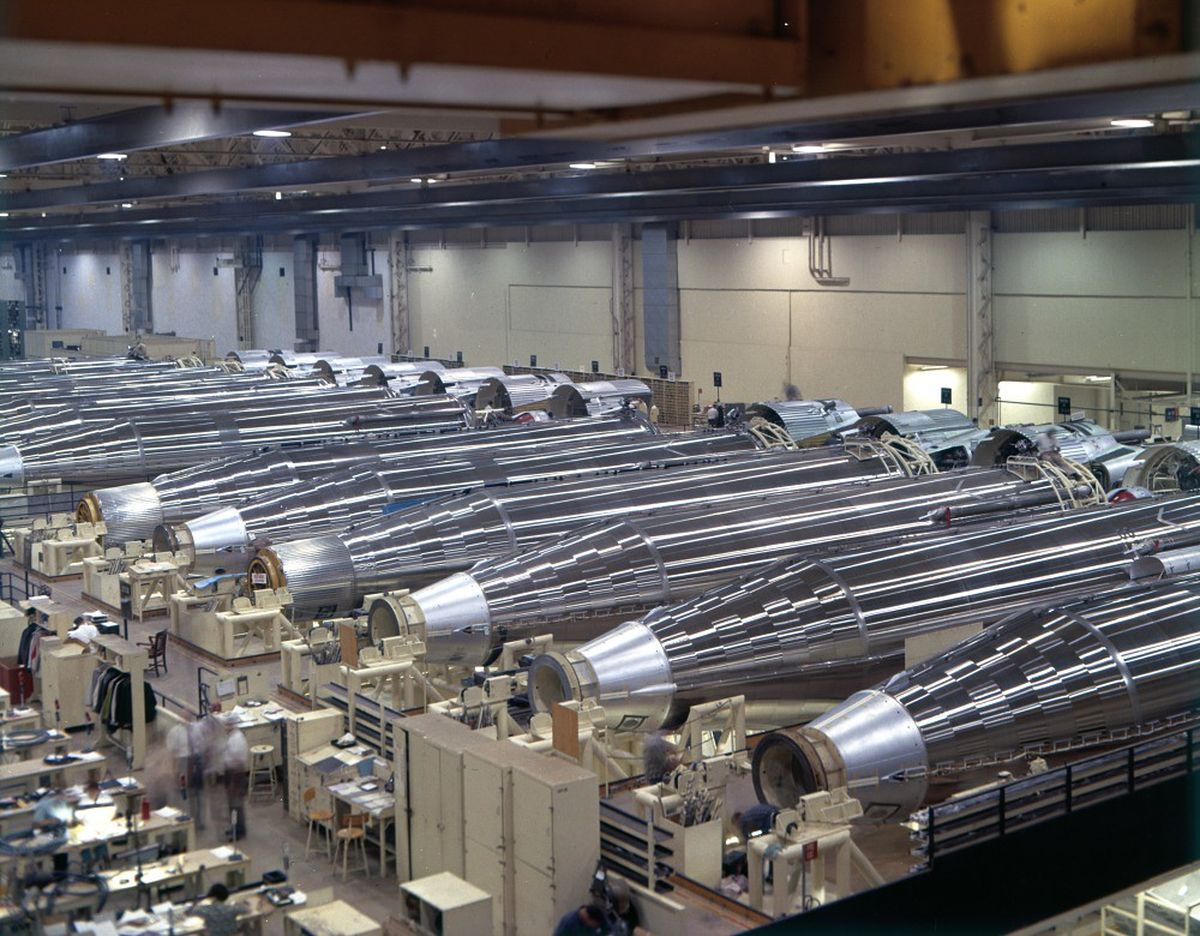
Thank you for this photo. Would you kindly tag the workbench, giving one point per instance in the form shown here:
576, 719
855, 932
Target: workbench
377, 803
23, 773
262, 724
337, 918
110, 829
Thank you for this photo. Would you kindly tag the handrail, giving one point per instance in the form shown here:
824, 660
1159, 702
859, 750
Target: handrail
1001, 809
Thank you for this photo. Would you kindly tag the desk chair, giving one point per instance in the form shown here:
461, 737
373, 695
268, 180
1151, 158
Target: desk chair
319, 819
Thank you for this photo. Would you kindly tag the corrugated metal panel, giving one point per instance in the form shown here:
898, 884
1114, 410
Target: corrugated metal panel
780, 227
935, 222
552, 233
1137, 218
867, 225
718, 229
1036, 220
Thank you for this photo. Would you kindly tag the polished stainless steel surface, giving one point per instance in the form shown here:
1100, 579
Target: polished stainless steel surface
914, 423
143, 447
178, 496
596, 397
1046, 679
1165, 469
511, 392
1080, 440
806, 420
413, 547
797, 619
577, 584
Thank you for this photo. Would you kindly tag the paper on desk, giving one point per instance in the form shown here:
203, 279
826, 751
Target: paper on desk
223, 852
274, 714
97, 928
168, 812
347, 758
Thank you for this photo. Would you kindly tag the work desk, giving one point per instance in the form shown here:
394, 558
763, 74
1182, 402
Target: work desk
17, 814
198, 869
110, 828
260, 724
336, 918
11, 752
23, 773
350, 797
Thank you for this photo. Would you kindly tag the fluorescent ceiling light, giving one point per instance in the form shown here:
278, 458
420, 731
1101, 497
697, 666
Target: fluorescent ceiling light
110, 155
415, 180
3, 214
278, 196
816, 147
127, 204
272, 133
582, 165
1132, 123
771, 156
3, 175
431, 180
1097, 378
925, 367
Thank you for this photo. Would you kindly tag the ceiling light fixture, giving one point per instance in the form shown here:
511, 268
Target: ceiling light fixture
278, 196
272, 133
582, 165
127, 204
771, 156
817, 147
1097, 378
927, 367
110, 156
415, 180
1132, 123
3, 175
431, 180
3, 214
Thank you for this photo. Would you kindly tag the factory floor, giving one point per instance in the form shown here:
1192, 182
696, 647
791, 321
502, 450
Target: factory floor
269, 829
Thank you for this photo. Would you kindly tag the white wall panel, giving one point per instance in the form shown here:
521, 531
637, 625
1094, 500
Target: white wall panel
274, 303
1105, 263
90, 291
1093, 333
742, 334
565, 326
10, 289
191, 301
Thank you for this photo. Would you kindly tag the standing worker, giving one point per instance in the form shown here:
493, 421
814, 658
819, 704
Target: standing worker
237, 778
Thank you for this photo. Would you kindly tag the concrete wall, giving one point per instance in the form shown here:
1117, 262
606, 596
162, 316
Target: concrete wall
1096, 302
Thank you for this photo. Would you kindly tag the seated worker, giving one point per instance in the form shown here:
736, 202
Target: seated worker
56, 808
584, 921
83, 633
220, 917
754, 820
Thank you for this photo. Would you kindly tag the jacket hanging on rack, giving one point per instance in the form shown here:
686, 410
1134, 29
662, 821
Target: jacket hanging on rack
111, 698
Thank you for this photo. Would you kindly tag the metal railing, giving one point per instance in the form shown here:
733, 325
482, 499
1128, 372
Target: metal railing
1009, 807
16, 587
634, 848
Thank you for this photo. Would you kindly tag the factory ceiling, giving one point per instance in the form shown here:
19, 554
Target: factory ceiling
317, 115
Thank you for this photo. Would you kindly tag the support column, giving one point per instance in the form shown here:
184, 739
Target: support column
660, 281
622, 304
304, 279
31, 270
247, 271
126, 271
136, 314
982, 385
400, 259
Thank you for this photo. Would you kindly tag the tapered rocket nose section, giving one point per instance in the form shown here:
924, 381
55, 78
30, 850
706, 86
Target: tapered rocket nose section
458, 626
219, 540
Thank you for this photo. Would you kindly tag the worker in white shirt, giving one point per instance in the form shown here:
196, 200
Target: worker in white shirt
83, 633
237, 776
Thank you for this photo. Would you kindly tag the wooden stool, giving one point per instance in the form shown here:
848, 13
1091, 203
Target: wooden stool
260, 762
320, 819
353, 830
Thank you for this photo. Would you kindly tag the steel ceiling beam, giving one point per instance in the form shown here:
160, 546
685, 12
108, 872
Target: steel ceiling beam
754, 187
145, 128
522, 153
1170, 176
